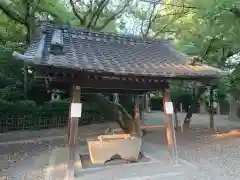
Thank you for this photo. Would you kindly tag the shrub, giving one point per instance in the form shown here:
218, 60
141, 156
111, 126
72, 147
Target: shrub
27, 115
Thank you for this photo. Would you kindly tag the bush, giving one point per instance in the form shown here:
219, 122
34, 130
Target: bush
27, 115
176, 97
157, 103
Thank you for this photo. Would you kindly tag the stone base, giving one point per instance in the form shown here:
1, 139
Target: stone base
87, 163
58, 162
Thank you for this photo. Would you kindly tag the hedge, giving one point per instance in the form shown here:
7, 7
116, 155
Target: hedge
28, 115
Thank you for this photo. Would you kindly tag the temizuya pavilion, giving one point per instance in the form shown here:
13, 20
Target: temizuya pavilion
96, 62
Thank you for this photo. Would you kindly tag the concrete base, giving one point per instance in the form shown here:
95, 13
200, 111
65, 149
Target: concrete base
107, 146
57, 164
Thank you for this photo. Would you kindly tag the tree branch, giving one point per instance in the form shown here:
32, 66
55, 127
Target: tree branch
98, 15
209, 47
114, 16
235, 11
169, 4
34, 7
151, 20
12, 14
100, 7
75, 12
171, 22
231, 53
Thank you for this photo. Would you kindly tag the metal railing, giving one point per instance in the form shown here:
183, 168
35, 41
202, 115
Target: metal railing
34, 122
28, 122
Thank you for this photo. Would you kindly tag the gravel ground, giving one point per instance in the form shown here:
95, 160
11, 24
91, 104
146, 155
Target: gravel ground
217, 157
20, 158
25, 135
19, 150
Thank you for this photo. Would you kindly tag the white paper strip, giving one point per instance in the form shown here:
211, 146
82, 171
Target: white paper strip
76, 110
169, 107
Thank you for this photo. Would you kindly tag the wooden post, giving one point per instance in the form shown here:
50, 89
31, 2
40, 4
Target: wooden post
147, 103
72, 134
175, 118
211, 109
137, 117
115, 99
170, 132
218, 109
25, 82
181, 107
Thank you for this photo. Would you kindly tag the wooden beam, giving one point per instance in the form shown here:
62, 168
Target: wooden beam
170, 132
95, 83
72, 134
43, 69
107, 85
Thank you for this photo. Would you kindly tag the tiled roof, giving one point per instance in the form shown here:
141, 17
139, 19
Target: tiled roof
61, 46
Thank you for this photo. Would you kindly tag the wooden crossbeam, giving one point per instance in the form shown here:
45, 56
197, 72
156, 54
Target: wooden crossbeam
96, 84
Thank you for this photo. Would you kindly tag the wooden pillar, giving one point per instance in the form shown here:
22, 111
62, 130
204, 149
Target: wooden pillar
25, 82
170, 132
72, 134
211, 109
218, 109
115, 99
175, 118
137, 118
181, 107
147, 102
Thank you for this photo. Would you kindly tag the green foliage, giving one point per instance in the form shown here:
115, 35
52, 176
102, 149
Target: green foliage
156, 103
28, 115
207, 28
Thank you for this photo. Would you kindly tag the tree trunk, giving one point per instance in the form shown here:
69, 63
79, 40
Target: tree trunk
127, 122
190, 110
25, 72
233, 108
30, 26
202, 105
211, 110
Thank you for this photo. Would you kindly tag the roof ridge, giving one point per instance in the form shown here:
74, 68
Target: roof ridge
74, 30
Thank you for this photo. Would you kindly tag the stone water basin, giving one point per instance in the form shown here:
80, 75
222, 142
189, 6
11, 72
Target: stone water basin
105, 147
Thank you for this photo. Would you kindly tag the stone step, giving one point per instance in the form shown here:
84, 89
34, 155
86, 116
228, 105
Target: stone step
128, 171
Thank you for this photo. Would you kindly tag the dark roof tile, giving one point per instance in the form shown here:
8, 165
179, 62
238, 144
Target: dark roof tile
119, 54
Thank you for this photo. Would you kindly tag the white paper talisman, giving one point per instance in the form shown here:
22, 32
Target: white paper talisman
169, 107
76, 110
